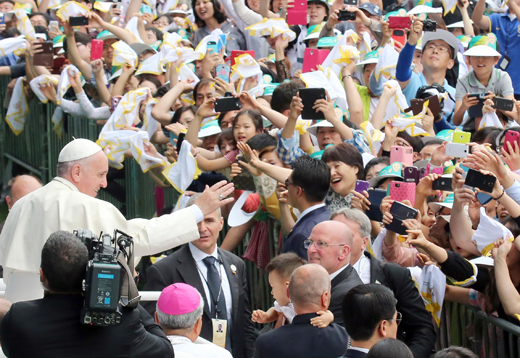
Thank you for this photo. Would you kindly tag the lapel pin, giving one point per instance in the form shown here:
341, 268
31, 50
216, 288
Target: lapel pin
233, 269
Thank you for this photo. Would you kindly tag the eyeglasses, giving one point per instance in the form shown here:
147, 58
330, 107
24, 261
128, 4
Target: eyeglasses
398, 319
318, 244
287, 183
441, 47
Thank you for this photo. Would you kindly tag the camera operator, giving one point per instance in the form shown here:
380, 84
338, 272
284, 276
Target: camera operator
50, 327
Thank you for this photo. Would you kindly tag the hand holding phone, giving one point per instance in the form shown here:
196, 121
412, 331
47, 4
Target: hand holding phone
476, 179
96, 51
309, 96
400, 213
399, 22
223, 72
361, 185
78, 21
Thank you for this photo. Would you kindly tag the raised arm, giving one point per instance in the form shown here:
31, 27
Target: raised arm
74, 55
355, 104
161, 111
482, 21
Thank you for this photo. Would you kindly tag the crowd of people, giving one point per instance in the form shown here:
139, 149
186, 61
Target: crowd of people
382, 137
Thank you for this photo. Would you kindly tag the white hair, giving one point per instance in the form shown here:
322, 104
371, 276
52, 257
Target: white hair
183, 321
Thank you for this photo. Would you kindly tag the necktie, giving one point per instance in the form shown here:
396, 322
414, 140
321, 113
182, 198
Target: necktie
214, 285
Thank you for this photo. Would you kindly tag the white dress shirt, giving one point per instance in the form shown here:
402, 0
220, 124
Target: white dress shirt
364, 350
195, 349
362, 267
198, 256
336, 273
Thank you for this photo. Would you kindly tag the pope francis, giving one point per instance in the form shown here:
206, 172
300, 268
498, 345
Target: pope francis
68, 203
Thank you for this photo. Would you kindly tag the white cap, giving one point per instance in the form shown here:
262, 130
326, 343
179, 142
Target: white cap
482, 50
458, 24
78, 149
314, 128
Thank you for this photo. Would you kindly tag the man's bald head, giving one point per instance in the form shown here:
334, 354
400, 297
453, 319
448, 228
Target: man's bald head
309, 288
332, 241
20, 186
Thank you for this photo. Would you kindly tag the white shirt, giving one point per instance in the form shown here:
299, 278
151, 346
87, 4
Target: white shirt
197, 349
364, 350
287, 310
362, 267
334, 274
198, 256
308, 210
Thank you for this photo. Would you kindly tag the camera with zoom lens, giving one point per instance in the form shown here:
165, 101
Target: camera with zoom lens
429, 25
104, 276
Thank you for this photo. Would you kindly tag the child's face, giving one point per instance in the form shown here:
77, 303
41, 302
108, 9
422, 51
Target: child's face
227, 146
272, 158
244, 128
279, 288
482, 65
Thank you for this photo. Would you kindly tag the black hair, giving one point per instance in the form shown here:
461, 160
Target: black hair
487, 135
42, 30
9, 1
501, 137
433, 141
256, 117
221, 116
261, 141
79, 37
178, 113
313, 176
346, 153
45, 16
226, 134
415, 142
389, 348
375, 161
364, 307
158, 33
218, 14
151, 78
268, 71
455, 352
161, 91
64, 261
168, 17
511, 224
203, 83
283, 94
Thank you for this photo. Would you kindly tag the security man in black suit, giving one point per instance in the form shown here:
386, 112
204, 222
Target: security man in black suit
219, 276
329, 246
416, 329
50, 327
309, 291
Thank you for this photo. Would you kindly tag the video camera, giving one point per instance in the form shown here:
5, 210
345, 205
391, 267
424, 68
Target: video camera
108, 283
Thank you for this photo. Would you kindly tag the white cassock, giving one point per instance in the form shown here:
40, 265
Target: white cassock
60, 206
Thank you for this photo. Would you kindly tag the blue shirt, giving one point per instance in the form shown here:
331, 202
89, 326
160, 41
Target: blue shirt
508, 35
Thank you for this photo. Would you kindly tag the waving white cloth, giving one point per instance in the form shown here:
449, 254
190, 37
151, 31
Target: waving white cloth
245, 67
150, 125
71, 9
329, 81
64, 84
271, 27
18, 108
202, 47
126, 110
365, 46
16, 45
490, 120
166, 6
151, 65
132, 27
123, 54
57, 121
348, 54
24, 25
119, 142
432, 285
184, 171
103, 6
42, 81
185, 73
386, 63
137, 146
488, 231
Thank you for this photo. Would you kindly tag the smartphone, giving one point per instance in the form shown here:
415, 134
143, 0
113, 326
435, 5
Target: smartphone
78, 21
297, 15
345, 15
399, 36
41, 36
483, 198
476, 110
476, 179
504, 62
503, 104
461, 137
312, 58
375, 196
182, 135
223, 72
96, 51
173, 137
400, 191
361, 185
244, 180
54, 24
400, 212
399, 22
114, 102
46, 57
442, 183
434, 105
411, 175
212, 47
402, 155
417, 105
59, 62
422, 172
118, 6
2, 18
227, 104
457, 150
236, 53
146, 9
511, 137
309, 96
351, 2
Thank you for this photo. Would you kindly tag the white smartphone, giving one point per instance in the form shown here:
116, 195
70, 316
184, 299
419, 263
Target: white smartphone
457, 150
54, 24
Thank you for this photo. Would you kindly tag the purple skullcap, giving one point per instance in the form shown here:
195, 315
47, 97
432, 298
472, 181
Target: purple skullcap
178, 299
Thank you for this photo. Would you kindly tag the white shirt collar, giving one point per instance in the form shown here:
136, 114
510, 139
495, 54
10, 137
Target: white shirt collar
308, 210
199, 255
334, 274
364, 350
67, 183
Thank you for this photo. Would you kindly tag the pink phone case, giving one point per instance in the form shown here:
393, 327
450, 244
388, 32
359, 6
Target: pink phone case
402, 154
400, 191
312, 58
511, 137
296, 17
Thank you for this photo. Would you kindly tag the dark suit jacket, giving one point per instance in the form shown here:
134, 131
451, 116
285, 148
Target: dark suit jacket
340, 285
50, 327
352, 353
416, 328
302, 230
180, 267
302, 340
